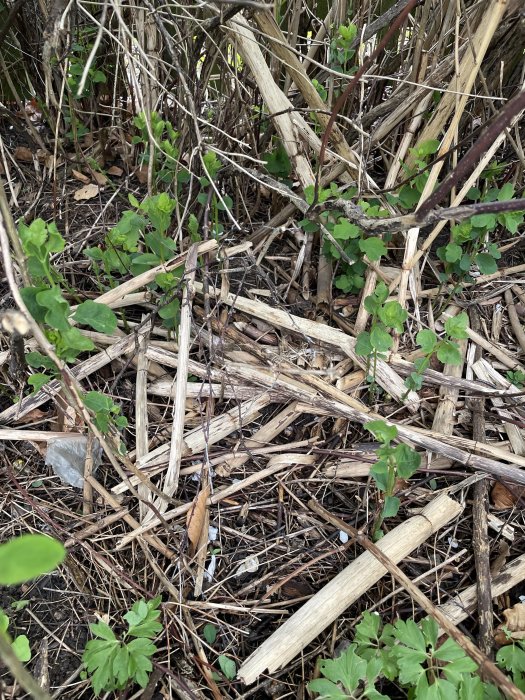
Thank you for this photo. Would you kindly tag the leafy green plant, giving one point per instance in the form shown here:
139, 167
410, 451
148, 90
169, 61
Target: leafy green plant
45, 300
409, 655
446, 349
105, 410
113, 662
352, 242
385, 316
470, 243
341, 51
393, 462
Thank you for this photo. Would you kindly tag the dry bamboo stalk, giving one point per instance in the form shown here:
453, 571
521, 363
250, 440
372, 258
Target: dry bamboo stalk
487, 373
515, 322
448, 397
429, 441
460, 607
277, 103
196, 467
386, 377
261, 438
203, 390
297, 72
482, 279
462, 82
276, 464
410, 248
141, 421
217, 429
332, 600
37, 435
171, 480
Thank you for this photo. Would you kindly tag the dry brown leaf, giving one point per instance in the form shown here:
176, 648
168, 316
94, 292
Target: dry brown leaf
514, 625
503, 498
99, 178
115, 170
87, 192
197, 518
32, 417
81, 177
142, 174
23, 154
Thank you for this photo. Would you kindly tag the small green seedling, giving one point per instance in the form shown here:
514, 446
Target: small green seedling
114, 662
399, 462
107, 413
446, 349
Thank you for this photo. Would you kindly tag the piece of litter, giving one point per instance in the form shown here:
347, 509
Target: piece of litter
343, 537
248, 566
67, 456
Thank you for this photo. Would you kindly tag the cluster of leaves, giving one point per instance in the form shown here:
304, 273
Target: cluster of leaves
516, 377
446, 350
146, 227
384, 316
350, 239
107, 413
409, 655
115, 662
470, 243
341, 51
393, 462
47, 304
78, 54
159, 140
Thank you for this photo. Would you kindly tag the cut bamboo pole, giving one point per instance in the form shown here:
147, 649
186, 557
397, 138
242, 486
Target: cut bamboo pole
349, 585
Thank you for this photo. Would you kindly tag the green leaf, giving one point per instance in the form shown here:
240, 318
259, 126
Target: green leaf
427, 339
327, 689
348, 669
393, 315
487, 221
506, 192
453, 252
57, 307
391, 507
427, 148
38, 380
29, 556
4, 621
99, 316
511, 658
21, 648
344, 230
448, 353
228, 667
143, 618
380, 340
100, 629
363, 347
456, 326
380, 473
373, 248
210, 633
96, 401
486, 263
407, 460
382, 431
